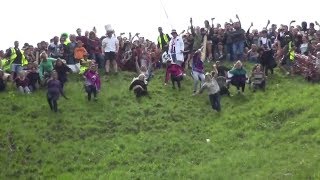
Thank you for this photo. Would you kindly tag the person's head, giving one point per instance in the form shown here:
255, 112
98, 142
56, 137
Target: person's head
160, 30
93, 67
174, 33
264, 33
254, 48
218, 63
274, 27
79, 44
33, 68
255, 32
238, 65
72, 38
86, 33
43, 56
237, 25
311, 26
141, 77
92, 35
287, 38
16, 44
206, 23
59, 62
208, 77
1, 54
109, 33
21, 74
311, 31
256, 68
54, 75
79, 32
304, 25
56, 39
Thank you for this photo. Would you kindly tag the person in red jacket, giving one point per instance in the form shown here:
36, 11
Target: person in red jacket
175, 72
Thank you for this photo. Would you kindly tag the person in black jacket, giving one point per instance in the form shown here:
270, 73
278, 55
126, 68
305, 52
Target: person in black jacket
139, 86
34, 79
62, 70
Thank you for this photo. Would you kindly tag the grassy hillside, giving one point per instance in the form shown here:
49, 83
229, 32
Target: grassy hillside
263, 135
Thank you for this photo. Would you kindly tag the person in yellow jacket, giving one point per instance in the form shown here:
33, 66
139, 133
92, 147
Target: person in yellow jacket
163, 40
16, 58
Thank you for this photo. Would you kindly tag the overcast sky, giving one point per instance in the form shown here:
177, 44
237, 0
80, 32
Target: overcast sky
36, 20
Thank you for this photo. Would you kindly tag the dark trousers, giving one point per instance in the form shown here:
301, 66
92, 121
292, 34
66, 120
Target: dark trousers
53, 104
215, 101
177, 79
239, 84
91, 90
139, 92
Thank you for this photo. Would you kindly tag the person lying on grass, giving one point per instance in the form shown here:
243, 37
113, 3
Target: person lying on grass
175, 72
54, 91
92, 82
139, 86
213, 90
258, 78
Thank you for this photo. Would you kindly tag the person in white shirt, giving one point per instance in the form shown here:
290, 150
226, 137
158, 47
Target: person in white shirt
176, 48
110, 46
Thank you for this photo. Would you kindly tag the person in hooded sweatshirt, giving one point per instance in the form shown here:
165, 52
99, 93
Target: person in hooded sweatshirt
92, 82
175, 73
139, 86
197, 70
54, 91
213, 88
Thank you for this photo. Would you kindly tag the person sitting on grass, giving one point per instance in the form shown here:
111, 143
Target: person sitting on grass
175, 72
92, 82
62, 69
34, 78
213, 90
139, 86
54, 91
257, 78
22, 83
238, 76
3, 81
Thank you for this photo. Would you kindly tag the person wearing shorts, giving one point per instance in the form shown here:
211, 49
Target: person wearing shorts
110, 46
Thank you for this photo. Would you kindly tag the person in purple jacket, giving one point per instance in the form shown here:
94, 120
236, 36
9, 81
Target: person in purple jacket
92, 82
54, 91
197, 70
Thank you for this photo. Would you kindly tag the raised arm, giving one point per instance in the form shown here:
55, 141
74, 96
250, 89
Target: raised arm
248, 31
137, 67
212, 25
238, 20
268, 23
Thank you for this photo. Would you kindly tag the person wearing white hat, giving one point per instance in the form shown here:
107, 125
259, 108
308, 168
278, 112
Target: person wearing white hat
176, 48
110, 46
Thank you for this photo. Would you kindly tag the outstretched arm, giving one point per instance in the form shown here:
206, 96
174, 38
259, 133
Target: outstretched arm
268, 23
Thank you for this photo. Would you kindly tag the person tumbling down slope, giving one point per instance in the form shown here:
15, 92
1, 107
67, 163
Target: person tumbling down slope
139, 86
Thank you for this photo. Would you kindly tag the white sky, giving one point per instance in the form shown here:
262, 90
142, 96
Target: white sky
29, 22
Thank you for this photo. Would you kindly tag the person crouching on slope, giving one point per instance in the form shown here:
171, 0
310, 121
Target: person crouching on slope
175, 72
213, 90
139, 86
92, 82
54, 91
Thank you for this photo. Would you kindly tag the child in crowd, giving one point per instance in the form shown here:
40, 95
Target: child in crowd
34, 78
213, 90
175, 72
79, 53
257, 78
92, 82
22, 83
139, 86
62, 69
3, 81
54, 91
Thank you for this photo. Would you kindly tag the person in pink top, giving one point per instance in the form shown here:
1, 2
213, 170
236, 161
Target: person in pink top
92, 82
175, 73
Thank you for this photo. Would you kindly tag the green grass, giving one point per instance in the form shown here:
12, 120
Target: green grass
263, 135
